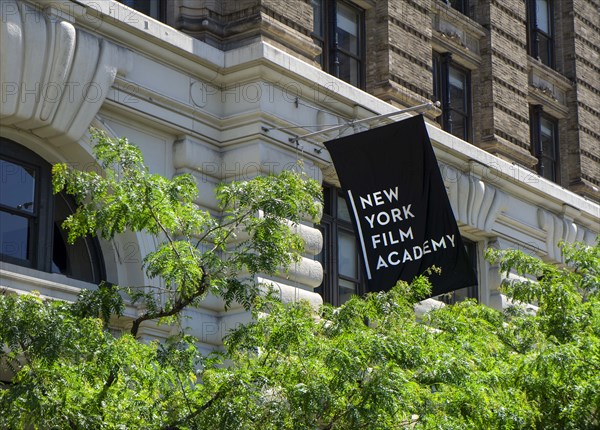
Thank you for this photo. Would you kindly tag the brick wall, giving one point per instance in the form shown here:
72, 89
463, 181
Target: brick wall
404, 43
505, 114
229, 24
399, 42
580, 141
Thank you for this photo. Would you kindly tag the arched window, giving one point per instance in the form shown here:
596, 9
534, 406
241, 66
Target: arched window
31, 217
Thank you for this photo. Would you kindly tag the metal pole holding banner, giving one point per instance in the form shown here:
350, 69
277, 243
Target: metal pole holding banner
424, 106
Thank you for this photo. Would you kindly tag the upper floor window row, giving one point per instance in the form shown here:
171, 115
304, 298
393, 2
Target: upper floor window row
338, 28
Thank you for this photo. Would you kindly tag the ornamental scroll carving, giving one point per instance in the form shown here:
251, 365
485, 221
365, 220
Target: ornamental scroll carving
563, 229
58, 75
474, 202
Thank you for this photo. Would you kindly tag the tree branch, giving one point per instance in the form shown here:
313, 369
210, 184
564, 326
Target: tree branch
178, 306
112, 378
183, 421
235, 222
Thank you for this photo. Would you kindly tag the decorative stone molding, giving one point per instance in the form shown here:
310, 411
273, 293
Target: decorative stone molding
229, 25
291, 293
54, 95
425, 306
454, 32
474, 202
559, 229
549, 84
508, 148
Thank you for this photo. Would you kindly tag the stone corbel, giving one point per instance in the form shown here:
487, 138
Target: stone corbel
474, 202
559, 229
54, 76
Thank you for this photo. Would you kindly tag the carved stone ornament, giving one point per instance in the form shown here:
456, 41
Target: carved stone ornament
58, 75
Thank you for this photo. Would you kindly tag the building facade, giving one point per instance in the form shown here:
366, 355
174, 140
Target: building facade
218, 88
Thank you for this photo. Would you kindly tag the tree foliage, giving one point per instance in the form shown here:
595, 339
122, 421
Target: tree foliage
189, 259
367, 364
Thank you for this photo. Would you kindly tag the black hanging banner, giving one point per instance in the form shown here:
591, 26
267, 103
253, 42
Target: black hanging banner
400, 208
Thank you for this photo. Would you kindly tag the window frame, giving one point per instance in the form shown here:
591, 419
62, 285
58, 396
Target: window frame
535, 32
329, 58
462, 6
471, 292
442, 64
331, 225
537, 115
41, 227
161, 8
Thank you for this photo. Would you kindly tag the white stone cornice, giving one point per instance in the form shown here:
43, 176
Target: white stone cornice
54, 95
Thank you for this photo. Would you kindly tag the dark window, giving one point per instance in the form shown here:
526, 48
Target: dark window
152, 8
544, 142
452, 87
472, 291
338, 29
541, 29
31, 219
340, 255
460, 5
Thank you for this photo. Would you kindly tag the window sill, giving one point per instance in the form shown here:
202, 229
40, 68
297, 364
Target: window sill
457, 32
22, 280
548, 87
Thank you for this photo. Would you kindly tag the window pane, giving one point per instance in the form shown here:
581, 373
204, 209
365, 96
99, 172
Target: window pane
543, 17
155, 9
437, 88
547, 135
460, 5
459, 127
548, 148
347, 255
347, 28
147, 7
346, 290
317, 6
349, 69
17, 186
14, 236
458, 85
548, 169
78, 260
545, 49
342, 209
457, 79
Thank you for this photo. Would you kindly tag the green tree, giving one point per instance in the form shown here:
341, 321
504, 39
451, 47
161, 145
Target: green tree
69, 372
370, 364
367, 364
189, 258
